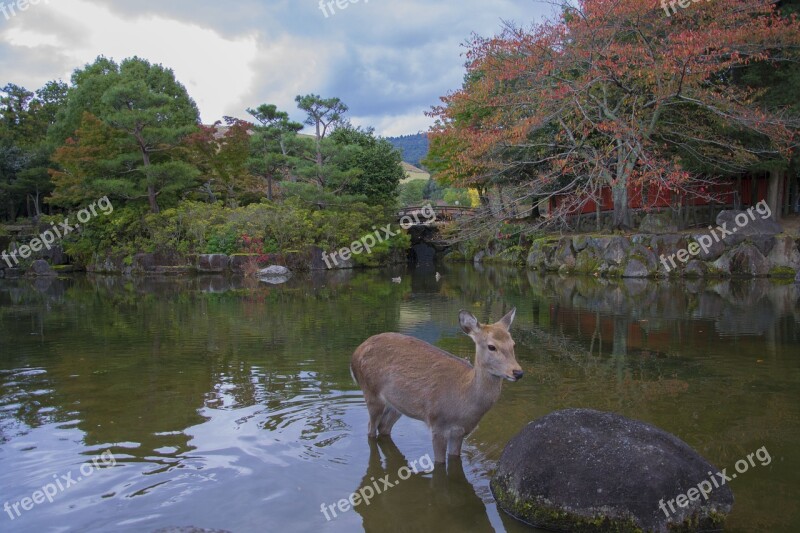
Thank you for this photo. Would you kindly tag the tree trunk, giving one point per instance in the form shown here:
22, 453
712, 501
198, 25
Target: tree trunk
269, 187
152, 197
774, 193
621, 212
320, 179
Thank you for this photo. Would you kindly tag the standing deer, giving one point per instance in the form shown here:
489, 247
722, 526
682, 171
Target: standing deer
401, 375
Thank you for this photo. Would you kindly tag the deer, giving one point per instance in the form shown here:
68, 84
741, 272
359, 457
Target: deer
402, 375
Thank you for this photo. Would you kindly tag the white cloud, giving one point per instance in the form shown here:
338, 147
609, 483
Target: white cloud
217, 72
287, 67
393, 126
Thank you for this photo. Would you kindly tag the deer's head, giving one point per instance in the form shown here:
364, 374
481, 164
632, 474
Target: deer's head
494, 347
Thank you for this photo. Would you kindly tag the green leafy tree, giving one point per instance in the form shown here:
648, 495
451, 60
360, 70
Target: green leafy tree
273, 134
324, 115
373, 164
455, 196
153, 113
412, 192
84, 162
12, 161
25, 118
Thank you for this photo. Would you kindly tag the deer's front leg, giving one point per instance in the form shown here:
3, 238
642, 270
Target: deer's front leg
455, 440
439, 446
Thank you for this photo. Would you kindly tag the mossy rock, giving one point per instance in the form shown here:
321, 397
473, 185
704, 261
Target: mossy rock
586, 262
581, 470
782, 272
455, 257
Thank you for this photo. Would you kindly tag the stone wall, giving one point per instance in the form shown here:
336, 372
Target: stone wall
676, 254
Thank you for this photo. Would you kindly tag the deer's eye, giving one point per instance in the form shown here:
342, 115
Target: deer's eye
492, 348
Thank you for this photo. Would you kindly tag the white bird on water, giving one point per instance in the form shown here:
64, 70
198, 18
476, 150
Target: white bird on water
438, 276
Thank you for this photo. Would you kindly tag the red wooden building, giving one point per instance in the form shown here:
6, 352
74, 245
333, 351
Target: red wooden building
781, 191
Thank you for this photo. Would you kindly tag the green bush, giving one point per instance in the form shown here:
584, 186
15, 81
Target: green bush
195, 227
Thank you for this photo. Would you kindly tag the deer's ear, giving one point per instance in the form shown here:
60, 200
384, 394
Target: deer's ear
468, 322
507, 320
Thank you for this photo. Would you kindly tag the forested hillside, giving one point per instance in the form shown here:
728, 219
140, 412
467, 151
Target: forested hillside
413, 147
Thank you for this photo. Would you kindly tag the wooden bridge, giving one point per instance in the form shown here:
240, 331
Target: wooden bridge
421, 215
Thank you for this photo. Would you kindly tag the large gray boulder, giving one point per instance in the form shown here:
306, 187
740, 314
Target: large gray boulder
41, 268
658, 224
741, 223
785, 253
746, 260
635, 269
541, 253
212, 263
617, 251
275, 275
583, 470
562, 256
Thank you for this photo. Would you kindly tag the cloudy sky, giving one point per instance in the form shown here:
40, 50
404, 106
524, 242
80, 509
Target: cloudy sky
389, 60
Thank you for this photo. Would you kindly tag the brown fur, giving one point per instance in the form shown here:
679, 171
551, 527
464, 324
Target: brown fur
401, 375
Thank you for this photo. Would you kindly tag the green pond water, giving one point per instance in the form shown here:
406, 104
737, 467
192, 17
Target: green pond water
230, 405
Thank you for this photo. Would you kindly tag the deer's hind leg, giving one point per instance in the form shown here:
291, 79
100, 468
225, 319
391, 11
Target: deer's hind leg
376, 407
388, 420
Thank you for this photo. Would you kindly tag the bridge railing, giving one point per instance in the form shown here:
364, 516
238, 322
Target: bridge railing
443, 213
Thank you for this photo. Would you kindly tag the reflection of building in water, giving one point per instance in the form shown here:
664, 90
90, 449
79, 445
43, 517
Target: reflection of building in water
656, 318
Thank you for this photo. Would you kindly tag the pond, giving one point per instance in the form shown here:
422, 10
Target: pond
212, 402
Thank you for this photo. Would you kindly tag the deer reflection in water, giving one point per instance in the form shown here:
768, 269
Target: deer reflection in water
442, 500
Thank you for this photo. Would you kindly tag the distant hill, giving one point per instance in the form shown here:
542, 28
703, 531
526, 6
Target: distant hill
413, 147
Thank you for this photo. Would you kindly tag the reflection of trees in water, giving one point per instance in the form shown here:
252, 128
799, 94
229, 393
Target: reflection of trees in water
134, 360
443, 500
137, 360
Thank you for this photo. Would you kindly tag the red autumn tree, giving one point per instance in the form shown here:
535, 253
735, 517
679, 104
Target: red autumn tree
222, 155
615, 93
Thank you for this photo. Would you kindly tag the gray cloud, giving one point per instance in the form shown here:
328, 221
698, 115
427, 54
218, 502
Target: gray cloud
384, 58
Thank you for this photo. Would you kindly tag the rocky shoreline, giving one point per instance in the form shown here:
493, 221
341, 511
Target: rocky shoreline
756, 249
646, 256
155, 264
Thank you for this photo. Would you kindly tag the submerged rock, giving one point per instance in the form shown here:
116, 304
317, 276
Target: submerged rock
583, 470
42, 268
